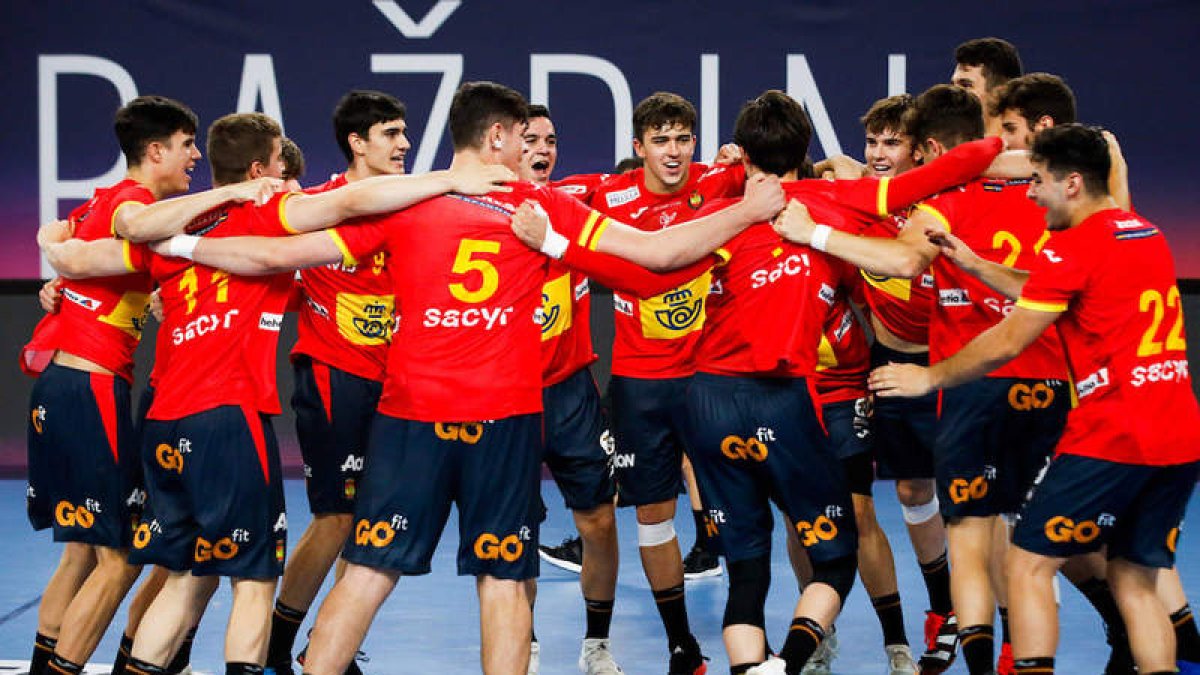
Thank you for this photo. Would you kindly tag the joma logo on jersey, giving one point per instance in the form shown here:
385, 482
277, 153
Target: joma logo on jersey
1062, 530
682, 310
738, 448
490, 547
467, 432
954, 297
67, 514
1026, 397
224, 548
1091, 383
819, 530
37, 418
90, 304
169, 458
963, 490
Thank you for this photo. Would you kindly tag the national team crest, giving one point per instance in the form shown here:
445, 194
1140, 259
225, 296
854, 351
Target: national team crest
695, 200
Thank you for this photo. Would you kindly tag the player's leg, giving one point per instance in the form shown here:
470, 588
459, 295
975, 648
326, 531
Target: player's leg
345, 616
249, 621
505, 622
176, 608
700, 561
93, 607
1187, 639
76, 563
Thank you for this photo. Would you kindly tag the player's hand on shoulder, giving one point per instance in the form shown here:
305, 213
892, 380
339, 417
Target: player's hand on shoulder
50, 295
841, 167
952, 247
764, 197
730, 153
795, 223
481, 179
55, 232
530, 223
900, 379
156, 304
257, 190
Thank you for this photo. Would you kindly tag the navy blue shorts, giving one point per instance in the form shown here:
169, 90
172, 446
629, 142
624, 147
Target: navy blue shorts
649, 421
83, 463
215, 496
579, 447
755, 441
849, 427
416, 470
1081, 504
904, 428
994, 436
334, 410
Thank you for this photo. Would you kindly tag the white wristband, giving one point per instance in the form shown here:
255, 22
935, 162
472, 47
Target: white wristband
554, 244
820, 237
182, 245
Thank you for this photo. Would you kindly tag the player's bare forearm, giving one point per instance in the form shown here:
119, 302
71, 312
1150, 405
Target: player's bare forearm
1004, 280
257, 256
160, 220
78, 259
1010, 164
676, 246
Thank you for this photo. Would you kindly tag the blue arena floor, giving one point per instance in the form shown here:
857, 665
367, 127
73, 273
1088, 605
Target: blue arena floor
430, 624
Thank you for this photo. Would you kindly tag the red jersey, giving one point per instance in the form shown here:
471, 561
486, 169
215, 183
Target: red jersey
843, 356
1113, 278
656, 336
998, 222
222, 329
348, 312
566, 320
901, 305
469, 347
581, 186
99, 319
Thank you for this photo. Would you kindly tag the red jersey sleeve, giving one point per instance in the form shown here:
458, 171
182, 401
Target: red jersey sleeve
359, 239
1057, 275
137, 256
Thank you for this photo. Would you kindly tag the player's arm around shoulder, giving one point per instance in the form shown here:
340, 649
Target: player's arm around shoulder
255, 256
149, 222
75, 258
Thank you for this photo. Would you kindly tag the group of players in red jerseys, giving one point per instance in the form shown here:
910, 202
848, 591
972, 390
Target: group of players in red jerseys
444, 351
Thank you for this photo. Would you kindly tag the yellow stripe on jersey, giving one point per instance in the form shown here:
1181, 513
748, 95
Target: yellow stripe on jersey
283, 213
881, 201
1073, 390
936, 214
348, 258
826, 358
1036, 306
599, 233
724, 254
587, 227
893, 286
127, 255
112, 226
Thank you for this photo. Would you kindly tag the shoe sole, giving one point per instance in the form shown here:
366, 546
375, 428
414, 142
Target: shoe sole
711, 572
559, 563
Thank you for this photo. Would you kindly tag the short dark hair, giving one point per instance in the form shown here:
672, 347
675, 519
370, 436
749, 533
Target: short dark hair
951, 115
358, 111
888, 114
662, 108
147, 119
293, 159
629, 164
998, 58
1078, 148
237, 141
1036, 95
538, 110
774, 132
479, 105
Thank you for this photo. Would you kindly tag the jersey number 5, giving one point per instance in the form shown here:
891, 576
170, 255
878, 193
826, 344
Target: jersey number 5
470, 259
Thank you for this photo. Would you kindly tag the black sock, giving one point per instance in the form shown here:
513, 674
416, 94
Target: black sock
184, 656
1100, 596
1042, 665
285, 623
741, 668
60, 666
978, 648
123, 652
1005, 637
532, 634
243, 669
137, 666
701, 530
599, 617
802, 640
891, 619
936, 574
673, 611
1187, 639
43, 649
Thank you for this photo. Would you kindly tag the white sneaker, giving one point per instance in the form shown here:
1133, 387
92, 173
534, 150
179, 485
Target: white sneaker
900, 660
596, 659
535, 657
772, 666
821, 662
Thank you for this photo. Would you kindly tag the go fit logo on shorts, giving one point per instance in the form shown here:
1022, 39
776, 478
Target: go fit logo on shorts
222, 549
736, 447
467, 432
490, 547
1063, 530
169, 458
1037, 396
67, 514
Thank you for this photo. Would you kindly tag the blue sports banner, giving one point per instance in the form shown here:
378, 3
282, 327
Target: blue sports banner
69, 64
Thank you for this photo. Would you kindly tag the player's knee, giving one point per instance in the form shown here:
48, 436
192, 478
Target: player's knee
748, 584
838, 574
915, 492
918, 513
596, 522
657, 512
334, 524
655, 534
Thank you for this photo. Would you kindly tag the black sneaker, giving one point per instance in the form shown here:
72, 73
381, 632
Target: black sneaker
351, 669
687, 660
700, 563
568, 555
1120, 659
